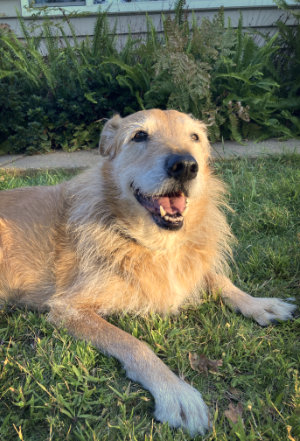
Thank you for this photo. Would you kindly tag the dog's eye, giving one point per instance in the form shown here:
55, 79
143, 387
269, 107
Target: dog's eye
195, 137
140, 136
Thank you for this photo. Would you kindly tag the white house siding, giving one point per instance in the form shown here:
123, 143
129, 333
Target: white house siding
8, 8
262, 19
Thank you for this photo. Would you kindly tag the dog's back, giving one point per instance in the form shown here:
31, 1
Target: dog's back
28, 226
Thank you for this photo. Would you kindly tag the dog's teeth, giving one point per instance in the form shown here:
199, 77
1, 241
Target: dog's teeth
173, 219
162, 211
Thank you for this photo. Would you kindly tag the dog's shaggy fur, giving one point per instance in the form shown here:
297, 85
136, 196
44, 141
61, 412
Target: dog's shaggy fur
142, 231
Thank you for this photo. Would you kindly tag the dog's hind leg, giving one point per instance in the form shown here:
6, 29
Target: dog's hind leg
176, 402
262, 309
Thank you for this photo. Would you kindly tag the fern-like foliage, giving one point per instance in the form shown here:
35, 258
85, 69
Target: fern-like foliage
55, 89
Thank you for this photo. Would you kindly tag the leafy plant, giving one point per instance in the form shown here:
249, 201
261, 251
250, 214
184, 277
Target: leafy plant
54, 94
224, 78
48, 100
287, 58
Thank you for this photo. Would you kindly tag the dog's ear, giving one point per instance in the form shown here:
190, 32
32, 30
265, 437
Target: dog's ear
107, 145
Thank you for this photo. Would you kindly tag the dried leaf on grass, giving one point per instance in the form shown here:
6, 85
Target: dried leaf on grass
234, 412
201, 363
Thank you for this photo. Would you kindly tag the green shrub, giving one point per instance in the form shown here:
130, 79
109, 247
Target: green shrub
56, 101
54, 95
287, 59
224, 78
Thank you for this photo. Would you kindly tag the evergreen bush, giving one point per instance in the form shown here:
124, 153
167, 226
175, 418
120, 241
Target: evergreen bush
54, 95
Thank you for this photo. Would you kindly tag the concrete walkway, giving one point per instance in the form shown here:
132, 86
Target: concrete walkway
84, 159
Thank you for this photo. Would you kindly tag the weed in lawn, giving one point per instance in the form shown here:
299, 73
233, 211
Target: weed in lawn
55, 388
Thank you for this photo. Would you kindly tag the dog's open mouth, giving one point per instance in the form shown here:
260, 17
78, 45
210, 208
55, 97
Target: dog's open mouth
167, 210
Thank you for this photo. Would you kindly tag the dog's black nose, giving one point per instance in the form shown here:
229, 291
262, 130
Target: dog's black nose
181, 167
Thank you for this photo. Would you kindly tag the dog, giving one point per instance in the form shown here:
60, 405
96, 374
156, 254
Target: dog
142, 231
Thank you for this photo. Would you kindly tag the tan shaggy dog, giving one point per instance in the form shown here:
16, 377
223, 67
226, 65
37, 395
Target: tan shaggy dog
142, 231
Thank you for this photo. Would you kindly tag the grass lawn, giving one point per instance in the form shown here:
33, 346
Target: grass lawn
55, 388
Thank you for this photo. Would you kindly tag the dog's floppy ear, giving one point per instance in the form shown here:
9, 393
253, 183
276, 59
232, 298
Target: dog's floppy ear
107, 145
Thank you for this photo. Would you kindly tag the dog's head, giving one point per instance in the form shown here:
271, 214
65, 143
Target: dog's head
158, 159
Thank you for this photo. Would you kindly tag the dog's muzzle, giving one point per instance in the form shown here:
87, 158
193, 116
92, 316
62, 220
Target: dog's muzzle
168, 209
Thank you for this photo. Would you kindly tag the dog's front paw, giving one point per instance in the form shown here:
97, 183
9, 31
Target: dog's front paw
182, 406
268, 310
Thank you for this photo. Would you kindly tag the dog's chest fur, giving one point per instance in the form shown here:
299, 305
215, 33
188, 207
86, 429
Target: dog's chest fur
125, 276
162, 281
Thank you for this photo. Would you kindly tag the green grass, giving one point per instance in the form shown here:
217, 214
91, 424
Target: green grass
55, 388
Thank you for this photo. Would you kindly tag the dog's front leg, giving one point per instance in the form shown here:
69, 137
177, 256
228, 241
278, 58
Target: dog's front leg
176, 402
262, 309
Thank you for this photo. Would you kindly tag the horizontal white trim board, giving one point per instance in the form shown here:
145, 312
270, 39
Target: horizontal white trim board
139, 6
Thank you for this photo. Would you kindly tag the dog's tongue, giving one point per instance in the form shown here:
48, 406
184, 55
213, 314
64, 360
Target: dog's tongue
173, 204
